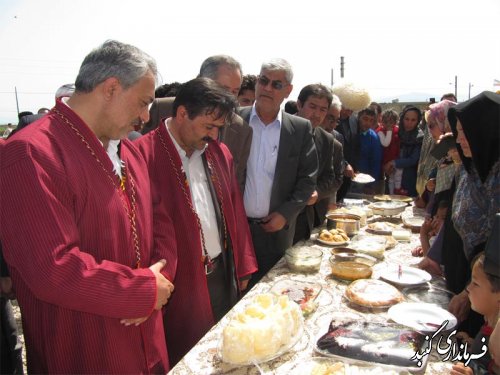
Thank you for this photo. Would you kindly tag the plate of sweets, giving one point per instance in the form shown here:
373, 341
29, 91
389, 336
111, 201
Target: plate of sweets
303, 293
393, 197
373, 293
333, 237
264, 329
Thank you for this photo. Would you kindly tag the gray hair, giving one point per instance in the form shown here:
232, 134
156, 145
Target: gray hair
278, 65
123, 61
336, 103
210, 66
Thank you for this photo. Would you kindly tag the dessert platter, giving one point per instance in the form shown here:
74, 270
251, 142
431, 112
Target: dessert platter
413, 222
266, 328
382, 227
370, 245
425, 317
303, 293
405, 276
334, 237
373, 293
361, 342
388, 208
393, 197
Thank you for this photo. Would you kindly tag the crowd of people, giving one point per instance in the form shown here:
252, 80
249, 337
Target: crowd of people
134, 216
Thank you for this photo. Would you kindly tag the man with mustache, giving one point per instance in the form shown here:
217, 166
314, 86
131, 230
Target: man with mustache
76, 226
193, 181
282, 166
313, 103
237, 135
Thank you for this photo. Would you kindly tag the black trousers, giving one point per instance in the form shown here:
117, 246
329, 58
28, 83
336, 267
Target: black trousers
218, 288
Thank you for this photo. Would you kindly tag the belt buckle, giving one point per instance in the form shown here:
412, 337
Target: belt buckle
209, 265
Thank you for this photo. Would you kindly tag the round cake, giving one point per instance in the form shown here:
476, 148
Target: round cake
265, 326
373, 293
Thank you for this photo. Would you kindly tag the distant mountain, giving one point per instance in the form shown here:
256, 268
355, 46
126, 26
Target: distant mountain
408, 97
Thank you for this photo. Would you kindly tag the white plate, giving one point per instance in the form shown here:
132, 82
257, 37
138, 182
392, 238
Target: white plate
306, 367
421, 316
409, 275
362, 178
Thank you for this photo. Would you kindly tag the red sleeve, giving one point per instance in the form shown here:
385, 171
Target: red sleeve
42, 243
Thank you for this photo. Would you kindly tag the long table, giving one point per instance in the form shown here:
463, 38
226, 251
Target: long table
204, 358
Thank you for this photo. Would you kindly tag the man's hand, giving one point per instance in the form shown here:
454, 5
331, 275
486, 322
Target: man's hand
460, 369
348, 171
431, 266
273, 222
6, 288
244, 285
164, 289
313, 199
460, 306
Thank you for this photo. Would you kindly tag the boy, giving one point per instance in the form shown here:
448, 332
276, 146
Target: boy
484, 296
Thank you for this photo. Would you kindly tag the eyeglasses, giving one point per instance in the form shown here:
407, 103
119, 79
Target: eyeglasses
264, 81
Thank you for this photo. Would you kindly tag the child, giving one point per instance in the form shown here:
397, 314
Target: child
430, 228
484, 296
389, 139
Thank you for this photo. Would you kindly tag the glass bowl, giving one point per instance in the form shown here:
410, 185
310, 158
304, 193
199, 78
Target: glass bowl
350, 270
303, 259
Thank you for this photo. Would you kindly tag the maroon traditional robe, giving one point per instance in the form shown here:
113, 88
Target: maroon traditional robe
188, 314
68, 243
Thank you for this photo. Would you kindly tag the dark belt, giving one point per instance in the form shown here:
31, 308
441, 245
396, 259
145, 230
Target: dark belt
254, 221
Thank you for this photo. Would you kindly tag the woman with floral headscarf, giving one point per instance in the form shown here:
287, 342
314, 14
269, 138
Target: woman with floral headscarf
476, 125
410, 137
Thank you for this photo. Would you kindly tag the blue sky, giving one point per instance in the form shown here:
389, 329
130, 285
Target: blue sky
391, 47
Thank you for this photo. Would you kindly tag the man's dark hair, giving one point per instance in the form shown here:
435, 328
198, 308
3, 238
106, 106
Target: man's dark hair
367, 111
203, 96
317, 90
24, 113
168, 90
449, 96
248, 83
291, 107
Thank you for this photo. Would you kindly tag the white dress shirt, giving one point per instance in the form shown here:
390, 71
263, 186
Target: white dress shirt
261, 165
200, 196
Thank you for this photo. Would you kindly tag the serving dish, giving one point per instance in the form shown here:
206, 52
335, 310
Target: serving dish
393, 197
348, 222
349, 270
369, 342
303, 259
363, 178
405, 276
428, 293
389, 208
425, 317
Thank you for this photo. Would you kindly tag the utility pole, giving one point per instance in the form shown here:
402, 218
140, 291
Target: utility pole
470, 85
17, 102
456, 83
331, 78
341, 66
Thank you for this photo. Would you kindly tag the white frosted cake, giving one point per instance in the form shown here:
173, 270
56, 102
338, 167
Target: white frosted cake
262, 329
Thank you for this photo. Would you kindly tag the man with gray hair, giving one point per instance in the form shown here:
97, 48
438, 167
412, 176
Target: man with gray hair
282, 166
237, 135
77, 226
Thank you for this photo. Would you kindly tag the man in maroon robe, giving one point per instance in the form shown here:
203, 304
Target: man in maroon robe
76, 226
193, 181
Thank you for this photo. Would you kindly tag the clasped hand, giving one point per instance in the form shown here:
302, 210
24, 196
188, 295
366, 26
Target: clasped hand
164, 289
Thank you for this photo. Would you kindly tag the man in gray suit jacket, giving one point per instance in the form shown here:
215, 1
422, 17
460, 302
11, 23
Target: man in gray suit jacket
281, 169
237, 136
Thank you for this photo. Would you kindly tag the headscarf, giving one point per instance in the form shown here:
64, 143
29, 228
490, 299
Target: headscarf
437, 114
477, 197
480, 119
416, 135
